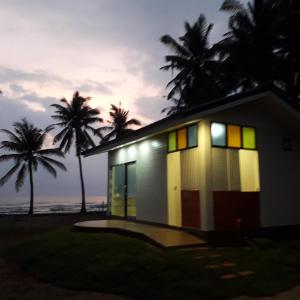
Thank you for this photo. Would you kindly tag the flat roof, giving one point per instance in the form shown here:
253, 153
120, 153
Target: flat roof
190, 115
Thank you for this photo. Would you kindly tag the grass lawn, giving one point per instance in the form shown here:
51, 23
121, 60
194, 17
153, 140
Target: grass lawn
122, 265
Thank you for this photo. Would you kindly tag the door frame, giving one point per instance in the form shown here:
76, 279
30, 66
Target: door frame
125, 186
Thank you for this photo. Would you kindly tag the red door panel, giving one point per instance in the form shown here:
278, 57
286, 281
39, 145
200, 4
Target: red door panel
190, 204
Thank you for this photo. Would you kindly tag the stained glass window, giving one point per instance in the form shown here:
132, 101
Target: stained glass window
234, 137
172, 141
249, 140
218, 134
182, 138
192, 136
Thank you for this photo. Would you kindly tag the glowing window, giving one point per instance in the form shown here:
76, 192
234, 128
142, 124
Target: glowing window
192, 136
182, 138
218, 134
234, 138
249, 140
172, 141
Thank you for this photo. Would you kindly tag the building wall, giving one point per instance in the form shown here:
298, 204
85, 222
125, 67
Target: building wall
210, 169
150, 157
279, 171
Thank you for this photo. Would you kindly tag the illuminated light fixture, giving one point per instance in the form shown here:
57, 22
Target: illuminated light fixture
131, 151
218, 134
155, 144
144, 147
121, 154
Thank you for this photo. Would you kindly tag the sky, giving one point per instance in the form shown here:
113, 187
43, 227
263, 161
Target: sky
106, 49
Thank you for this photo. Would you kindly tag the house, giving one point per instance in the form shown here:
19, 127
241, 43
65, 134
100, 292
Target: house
228, 165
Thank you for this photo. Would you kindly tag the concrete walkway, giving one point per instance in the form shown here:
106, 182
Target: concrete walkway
162, 236
292, 294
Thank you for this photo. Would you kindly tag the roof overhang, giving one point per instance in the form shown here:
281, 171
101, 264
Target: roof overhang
184, 118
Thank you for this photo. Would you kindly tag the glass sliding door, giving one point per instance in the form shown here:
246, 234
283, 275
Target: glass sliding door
118, 191
123, 190
131, 189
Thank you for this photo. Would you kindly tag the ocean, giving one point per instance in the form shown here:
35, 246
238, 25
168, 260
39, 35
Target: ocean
51, 204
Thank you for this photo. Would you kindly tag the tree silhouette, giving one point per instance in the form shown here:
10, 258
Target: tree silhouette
198, 74
250, 48
76, 118
26, 142
119, 124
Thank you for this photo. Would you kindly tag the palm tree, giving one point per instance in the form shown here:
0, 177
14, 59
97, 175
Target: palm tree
119, 124
249, 50
76, 118
198, 73
27, 144
289, 48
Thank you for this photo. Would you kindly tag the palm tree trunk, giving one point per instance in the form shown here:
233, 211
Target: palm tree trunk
31, 190
83, 208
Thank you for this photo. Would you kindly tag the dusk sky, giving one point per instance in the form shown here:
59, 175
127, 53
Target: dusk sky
106, 49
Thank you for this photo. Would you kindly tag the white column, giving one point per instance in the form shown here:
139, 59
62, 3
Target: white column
206, 187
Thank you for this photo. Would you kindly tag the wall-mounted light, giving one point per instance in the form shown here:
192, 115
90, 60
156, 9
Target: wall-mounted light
144, 147
131, 150
155, 144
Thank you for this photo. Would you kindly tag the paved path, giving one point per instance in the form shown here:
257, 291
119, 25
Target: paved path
164, 236
292, 294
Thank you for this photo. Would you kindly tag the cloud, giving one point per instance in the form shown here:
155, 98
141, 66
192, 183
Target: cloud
17, 88
106, 49
35, 106
8, 75
94, 86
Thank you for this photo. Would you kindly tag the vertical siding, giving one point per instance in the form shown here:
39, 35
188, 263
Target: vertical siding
174, 188
219, 169
279, 171
150, 158
190, 169
233, 170
249, 171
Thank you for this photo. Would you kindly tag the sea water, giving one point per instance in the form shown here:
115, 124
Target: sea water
51, 204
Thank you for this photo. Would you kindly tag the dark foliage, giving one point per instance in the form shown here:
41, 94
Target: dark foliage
76, 118
25, 147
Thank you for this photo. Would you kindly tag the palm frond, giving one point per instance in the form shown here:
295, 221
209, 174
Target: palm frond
133, 122
14, 156
21, 177
47, 166
231, 6
4, 178
55, 162
171, 43
51, 151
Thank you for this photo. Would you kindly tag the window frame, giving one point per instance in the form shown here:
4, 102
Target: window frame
187, 138
226, 136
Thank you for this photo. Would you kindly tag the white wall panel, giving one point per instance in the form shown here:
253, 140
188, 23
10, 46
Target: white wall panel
190, 169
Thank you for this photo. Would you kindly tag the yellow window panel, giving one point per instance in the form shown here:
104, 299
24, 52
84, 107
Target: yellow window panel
181, 138
234, 136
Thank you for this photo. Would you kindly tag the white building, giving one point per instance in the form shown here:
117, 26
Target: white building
228, 165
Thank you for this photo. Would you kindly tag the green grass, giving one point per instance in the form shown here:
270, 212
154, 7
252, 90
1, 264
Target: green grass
122, 265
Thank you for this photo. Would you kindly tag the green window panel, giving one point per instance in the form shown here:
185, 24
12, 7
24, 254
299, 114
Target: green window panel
249, 138
192, 136
172, 144
218, 134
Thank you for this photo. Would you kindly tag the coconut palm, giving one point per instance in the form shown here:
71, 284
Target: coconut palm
250, 48
76, 118
194, 62
119, 124
289, 47
26, 142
